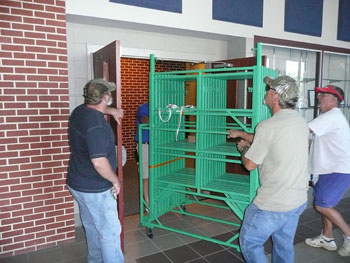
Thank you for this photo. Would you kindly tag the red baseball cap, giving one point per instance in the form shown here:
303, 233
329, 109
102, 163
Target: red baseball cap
329, 89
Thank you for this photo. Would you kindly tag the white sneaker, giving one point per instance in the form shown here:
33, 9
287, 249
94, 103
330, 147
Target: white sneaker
344, 251
322, 241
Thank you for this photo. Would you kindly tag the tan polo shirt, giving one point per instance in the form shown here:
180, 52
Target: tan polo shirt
280, 148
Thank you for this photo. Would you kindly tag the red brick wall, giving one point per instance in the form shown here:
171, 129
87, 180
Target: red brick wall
134, 82
36, 210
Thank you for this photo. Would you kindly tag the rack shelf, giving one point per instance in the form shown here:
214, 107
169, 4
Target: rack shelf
183, 177
227, 148
227, 183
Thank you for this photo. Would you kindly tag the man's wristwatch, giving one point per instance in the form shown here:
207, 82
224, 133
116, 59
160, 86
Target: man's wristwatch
243, 150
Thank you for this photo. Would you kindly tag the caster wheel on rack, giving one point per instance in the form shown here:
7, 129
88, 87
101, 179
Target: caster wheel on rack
149, 232
183, 207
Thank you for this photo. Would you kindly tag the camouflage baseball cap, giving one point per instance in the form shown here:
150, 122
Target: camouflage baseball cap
286, 88
95, 89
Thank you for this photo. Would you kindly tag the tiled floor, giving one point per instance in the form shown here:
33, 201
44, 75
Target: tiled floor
167, 247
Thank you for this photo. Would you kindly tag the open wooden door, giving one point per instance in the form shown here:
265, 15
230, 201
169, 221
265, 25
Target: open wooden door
106, 65
232, 88
238, 97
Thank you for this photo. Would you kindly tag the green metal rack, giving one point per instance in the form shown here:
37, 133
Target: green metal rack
172, 184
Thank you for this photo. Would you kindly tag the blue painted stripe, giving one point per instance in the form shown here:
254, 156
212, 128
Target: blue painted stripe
344, 20
247, 12
304, 17
164, 5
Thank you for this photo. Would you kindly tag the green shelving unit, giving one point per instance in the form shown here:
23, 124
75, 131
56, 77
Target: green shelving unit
173, 184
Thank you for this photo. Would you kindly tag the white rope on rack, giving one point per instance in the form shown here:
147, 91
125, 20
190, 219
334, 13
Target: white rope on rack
178, 127
160, 115
170, 108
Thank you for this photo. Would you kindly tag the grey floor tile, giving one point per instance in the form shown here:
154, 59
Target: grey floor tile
315, 224
198, 260
169, 217
15, 259
189, 239
80, 234
227, 236
224, 215
344, 203
298, 239
158, 232
304, 253
158, 257
311, 212
304, 218
346, 215
205, 248
75, 250
230, 227
334, 258
179, 224
223, 256
213, 229
181, 254
195, 220
166, 242
305, 231
236, 253
132, 223
51, 255
76, 260
140, 249
135, 235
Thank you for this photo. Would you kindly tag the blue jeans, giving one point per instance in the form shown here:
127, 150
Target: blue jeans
99, 215
258, 225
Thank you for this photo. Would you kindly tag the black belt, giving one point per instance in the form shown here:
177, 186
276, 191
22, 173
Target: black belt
145, 143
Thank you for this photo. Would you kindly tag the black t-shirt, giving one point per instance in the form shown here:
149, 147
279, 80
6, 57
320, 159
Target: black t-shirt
90, 136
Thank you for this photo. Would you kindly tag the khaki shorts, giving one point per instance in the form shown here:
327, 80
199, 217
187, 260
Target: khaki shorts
145, 159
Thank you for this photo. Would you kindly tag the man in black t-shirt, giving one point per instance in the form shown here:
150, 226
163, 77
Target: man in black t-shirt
91, 177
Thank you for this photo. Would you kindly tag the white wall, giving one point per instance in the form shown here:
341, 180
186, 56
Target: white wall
190, 36
197, 17
84, 39
141, 43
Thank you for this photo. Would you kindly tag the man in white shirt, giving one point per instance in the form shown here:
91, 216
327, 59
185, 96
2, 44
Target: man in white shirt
330, 159
280, 148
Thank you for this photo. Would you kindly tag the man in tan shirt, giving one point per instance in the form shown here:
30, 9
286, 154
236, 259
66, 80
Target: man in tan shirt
279, 148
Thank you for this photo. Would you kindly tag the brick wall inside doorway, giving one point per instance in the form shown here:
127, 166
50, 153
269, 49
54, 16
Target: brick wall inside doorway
134, 82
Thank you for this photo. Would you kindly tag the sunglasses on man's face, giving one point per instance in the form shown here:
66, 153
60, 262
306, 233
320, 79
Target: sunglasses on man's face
268, 88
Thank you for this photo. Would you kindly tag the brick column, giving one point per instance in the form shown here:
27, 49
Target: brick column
36, 210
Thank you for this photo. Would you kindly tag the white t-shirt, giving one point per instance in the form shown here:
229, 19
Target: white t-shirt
280, 148
330, 150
